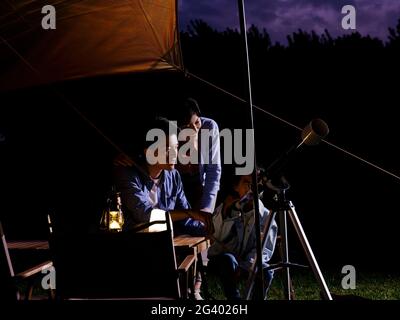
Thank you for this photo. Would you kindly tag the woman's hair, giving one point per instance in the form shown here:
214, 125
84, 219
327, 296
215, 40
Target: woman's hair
190, 107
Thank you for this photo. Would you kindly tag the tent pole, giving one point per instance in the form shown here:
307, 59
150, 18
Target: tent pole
259, 279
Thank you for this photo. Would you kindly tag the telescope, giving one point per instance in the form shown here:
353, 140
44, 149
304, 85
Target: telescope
282, 209
312, 134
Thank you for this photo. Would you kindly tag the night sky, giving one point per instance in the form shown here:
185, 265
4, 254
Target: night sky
282, 17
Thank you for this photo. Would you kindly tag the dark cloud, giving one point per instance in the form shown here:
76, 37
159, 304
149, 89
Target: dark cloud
282, 17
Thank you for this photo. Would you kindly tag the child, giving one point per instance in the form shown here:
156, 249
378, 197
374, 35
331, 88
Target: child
234, 248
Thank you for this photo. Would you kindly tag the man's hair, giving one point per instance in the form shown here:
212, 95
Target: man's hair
190, 107
158, 123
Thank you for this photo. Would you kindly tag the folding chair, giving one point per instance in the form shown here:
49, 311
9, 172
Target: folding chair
9, 289
123, 265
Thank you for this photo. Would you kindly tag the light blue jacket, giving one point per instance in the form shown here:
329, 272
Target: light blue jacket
210, 162
236, 234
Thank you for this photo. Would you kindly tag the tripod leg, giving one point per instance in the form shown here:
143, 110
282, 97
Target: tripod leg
309, 253
292, 291
285, 253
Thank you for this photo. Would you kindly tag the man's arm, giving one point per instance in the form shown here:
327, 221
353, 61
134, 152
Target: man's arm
202, 216
133, 198
176, 215
181, 201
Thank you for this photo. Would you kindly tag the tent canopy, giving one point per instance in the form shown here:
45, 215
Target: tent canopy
92, 37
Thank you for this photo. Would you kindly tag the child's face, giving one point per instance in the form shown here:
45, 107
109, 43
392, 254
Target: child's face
244, 185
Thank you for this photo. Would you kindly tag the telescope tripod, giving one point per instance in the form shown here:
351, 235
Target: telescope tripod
283, 209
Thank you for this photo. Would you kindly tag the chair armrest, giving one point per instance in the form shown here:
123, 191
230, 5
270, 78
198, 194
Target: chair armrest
187, 263
143, 226
34, 270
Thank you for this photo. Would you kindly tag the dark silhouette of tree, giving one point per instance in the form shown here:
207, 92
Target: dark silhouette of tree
199, 28
394, 37
299, 40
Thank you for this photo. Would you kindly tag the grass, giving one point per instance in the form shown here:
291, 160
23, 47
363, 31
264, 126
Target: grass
374, 286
